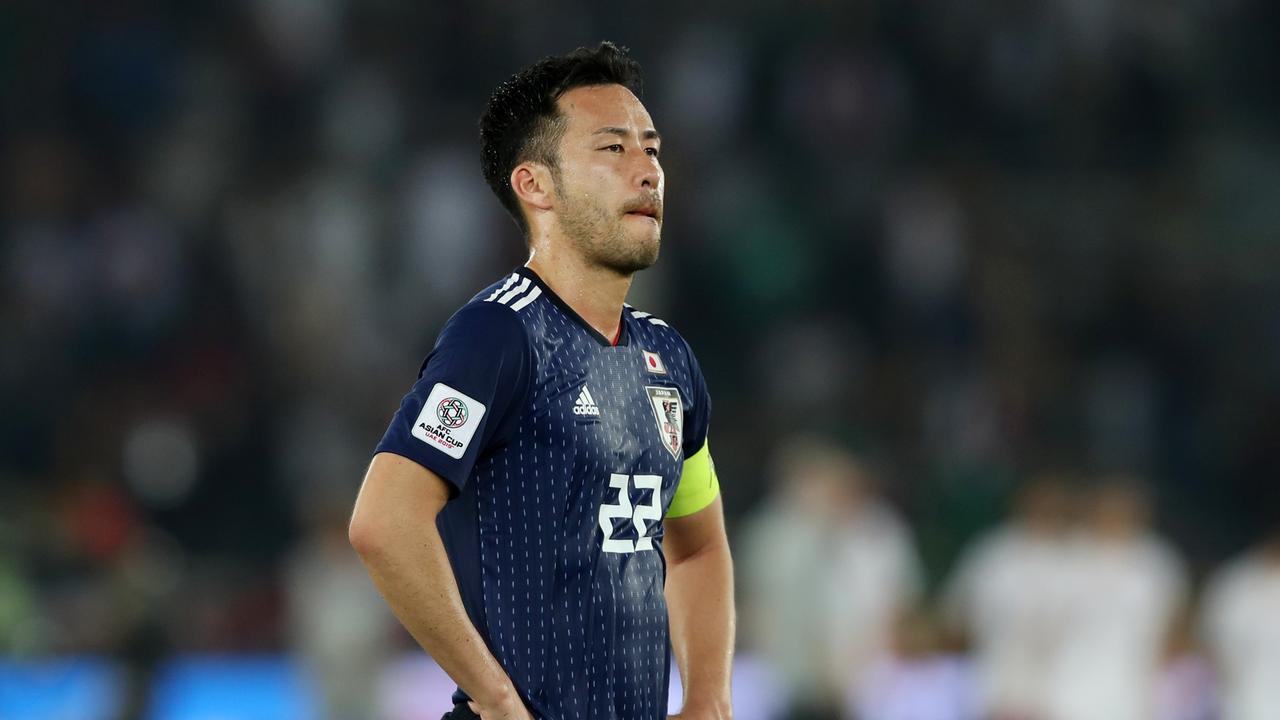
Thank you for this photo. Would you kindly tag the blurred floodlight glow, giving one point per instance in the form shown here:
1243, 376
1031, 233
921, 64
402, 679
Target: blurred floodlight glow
161, 461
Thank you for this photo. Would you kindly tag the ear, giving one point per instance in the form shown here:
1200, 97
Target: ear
532, 183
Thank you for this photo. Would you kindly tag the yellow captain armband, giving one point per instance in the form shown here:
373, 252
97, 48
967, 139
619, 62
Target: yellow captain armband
698, 484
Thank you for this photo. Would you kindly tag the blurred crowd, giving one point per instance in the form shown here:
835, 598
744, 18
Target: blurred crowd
967, 241
1073, 607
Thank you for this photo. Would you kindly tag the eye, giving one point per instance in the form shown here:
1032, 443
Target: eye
651, 151
615, 148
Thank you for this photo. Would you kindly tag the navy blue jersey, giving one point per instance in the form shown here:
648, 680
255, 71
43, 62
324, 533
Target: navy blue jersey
566, 453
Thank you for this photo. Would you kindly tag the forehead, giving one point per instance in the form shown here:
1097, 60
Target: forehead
590, 108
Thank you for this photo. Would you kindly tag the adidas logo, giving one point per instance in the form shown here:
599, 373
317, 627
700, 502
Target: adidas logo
585, 404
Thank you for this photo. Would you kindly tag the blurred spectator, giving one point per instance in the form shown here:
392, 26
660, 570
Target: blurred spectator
1010, 597
828, 567
1186, 687
339, 625
914, 679
1126, 587
968, 234
1242, 630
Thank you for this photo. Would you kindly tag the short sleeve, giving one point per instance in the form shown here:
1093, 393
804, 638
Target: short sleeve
698, 485
698, 417
468, 395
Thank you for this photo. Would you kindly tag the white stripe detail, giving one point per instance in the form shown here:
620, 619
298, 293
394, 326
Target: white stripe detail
641, 315
587, 394
511, 280
524, 301
514, 292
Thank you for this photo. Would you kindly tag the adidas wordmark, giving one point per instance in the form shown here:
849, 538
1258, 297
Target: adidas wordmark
585, 404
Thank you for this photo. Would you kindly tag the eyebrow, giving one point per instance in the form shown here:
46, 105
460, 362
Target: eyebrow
649, 134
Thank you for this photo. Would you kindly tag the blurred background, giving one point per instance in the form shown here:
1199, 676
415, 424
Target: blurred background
987, 295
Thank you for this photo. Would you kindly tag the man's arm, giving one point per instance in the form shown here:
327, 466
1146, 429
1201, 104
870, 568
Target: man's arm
700, 604
394, 531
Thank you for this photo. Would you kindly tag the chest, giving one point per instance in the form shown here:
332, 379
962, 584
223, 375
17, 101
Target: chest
611, 410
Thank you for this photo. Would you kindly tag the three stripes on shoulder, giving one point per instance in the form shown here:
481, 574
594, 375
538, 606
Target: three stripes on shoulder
522, 296
506, 293
641, 315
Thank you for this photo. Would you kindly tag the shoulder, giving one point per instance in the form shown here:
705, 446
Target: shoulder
483, 321
496, 316
651, 326
513, 293
657, 335
504, 303
516, 291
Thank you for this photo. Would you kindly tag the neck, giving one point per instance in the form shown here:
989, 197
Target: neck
596, 293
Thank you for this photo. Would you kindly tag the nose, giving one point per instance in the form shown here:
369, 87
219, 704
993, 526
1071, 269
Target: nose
650, 173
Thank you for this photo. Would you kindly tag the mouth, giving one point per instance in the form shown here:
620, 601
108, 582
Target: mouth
650, 213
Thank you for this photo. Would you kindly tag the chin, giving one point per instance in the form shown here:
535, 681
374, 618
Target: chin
648, 249
650, 236
626, 250
632, 263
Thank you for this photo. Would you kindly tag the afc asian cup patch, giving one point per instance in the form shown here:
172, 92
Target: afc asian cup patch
448, 420
669, 413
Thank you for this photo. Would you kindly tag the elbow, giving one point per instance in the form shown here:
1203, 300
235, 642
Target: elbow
365, 536
392, 508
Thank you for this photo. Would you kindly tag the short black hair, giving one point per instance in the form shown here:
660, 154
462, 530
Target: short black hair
521, 121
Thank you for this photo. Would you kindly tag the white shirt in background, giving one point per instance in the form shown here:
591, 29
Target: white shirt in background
880, 576
1011, 592
824, 597
1122, 597
1242, 629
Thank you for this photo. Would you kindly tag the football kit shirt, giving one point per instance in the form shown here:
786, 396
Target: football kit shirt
564, 453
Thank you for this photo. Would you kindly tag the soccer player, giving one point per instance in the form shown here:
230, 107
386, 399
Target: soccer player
543, 514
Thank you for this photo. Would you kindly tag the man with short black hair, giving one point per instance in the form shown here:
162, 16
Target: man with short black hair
543, 514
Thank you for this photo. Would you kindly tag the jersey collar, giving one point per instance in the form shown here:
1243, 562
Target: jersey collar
625, 334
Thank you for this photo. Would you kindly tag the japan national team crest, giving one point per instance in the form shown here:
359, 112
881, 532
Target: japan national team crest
669, 413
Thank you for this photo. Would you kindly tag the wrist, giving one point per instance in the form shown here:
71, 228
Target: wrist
718, 708
501, 696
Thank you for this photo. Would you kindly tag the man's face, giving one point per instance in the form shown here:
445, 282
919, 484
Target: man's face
609, 183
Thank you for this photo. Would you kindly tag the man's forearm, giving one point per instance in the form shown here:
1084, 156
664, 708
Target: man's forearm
700, 604
414, 575
393, 529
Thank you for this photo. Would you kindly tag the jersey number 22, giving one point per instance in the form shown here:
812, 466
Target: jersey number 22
640, 515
